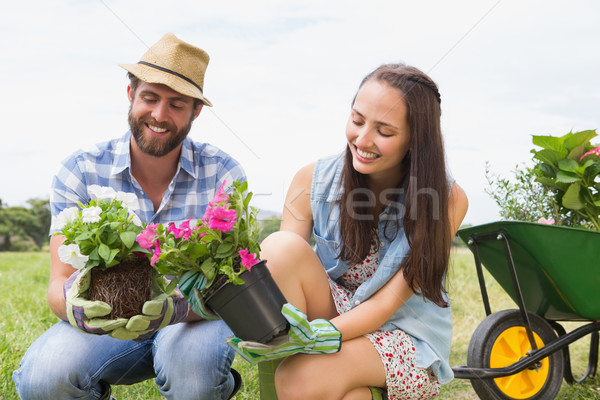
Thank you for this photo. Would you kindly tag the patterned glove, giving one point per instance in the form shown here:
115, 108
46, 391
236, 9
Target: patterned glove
190, 284
316, 337
83, 313
164, 309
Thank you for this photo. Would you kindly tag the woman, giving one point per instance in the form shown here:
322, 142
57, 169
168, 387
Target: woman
383, 216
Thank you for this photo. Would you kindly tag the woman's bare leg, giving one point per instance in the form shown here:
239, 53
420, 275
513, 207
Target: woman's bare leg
299, 274
344, 375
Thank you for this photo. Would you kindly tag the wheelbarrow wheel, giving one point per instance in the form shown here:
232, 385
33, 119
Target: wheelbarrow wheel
501, 340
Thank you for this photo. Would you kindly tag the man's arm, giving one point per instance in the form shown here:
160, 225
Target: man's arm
59, 273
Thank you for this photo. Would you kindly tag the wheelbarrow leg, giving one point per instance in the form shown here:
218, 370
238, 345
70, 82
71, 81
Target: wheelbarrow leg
592, 359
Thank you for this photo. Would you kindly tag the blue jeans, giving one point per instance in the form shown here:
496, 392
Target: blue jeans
188, 360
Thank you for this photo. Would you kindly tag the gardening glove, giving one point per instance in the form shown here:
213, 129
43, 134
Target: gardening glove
190, 284
315, 337
84, 314
164, 309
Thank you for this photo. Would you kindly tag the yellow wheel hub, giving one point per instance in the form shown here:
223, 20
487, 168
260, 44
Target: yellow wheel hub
510, 347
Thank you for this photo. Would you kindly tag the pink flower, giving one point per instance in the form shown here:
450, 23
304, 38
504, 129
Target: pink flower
595, 151
183, 230
222, 219
148, 236
248, 259
220, 197
545, 221
156, 254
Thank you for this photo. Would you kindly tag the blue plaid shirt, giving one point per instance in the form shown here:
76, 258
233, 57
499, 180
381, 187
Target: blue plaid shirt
201, 171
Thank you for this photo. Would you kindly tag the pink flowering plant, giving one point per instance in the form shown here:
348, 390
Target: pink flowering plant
224, 242
569, 168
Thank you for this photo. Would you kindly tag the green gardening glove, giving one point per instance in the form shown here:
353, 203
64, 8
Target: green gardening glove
190, 284
164, 309
318, 336
84, 314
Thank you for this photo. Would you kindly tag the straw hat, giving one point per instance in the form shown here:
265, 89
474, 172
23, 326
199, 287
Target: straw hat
174, 63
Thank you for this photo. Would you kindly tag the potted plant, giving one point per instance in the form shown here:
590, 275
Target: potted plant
223, 247
569, 167
562, 187
101, 236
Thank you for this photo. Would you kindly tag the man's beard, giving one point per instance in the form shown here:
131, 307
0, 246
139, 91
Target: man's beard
155, 146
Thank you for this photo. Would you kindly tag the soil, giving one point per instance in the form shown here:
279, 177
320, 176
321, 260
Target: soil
125, 287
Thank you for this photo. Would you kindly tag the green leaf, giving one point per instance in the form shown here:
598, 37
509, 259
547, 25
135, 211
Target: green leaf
198, 250
550, 156
566, 177
208, 269
84, 236
568, 165
579, 138
104, 252
546, 170
225, 250
576, 153
571, 197
550, 143
128, 238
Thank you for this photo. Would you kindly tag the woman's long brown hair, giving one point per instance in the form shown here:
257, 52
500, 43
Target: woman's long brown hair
424, 182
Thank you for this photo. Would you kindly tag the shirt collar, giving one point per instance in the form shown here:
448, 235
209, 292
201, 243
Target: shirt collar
122, 159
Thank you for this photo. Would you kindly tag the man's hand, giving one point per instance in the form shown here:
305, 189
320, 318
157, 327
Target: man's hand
315, 337
84, 313
164, 309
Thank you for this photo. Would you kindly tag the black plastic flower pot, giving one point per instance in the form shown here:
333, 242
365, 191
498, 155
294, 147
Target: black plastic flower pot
251, 310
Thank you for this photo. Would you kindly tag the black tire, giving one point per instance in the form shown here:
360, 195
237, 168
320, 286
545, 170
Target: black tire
531, 384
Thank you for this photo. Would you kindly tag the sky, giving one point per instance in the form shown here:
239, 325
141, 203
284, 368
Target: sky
282, 76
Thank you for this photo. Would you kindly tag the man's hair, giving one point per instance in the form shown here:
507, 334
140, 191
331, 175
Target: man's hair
134, 82
424, 184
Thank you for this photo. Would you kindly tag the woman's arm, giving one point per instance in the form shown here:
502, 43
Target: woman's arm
297, 212
457, 208
379, 308
374, 312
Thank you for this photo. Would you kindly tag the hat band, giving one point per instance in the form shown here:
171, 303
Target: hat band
185, 78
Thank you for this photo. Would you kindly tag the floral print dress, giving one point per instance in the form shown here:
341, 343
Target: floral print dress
403, 380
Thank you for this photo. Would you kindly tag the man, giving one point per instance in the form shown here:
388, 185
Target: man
174, 178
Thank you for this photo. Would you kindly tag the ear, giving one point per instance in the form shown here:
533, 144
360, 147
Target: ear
197, 111
130, 93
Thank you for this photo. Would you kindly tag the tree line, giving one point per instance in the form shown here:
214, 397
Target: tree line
24, 228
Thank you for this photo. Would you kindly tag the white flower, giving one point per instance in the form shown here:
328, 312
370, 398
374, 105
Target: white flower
91, 214
136, 220
129, 200
66, 216
70, 254
98, 192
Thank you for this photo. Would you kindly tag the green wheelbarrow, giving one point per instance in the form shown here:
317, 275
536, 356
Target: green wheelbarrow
552, 273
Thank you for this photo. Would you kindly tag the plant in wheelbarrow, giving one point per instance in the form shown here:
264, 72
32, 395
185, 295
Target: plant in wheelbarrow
568, 167
216, 262
560, 187
114, 291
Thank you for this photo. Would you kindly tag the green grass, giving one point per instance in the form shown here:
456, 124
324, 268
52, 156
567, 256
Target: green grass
25, 315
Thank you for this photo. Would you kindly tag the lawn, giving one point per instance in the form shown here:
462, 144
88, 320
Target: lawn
25, 315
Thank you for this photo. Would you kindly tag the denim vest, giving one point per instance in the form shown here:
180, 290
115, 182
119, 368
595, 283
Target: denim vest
429, 326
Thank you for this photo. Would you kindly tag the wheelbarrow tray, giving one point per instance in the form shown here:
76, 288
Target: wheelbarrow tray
558, 268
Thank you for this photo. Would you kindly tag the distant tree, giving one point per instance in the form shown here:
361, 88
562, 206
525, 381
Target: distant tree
24, 229
41, 211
